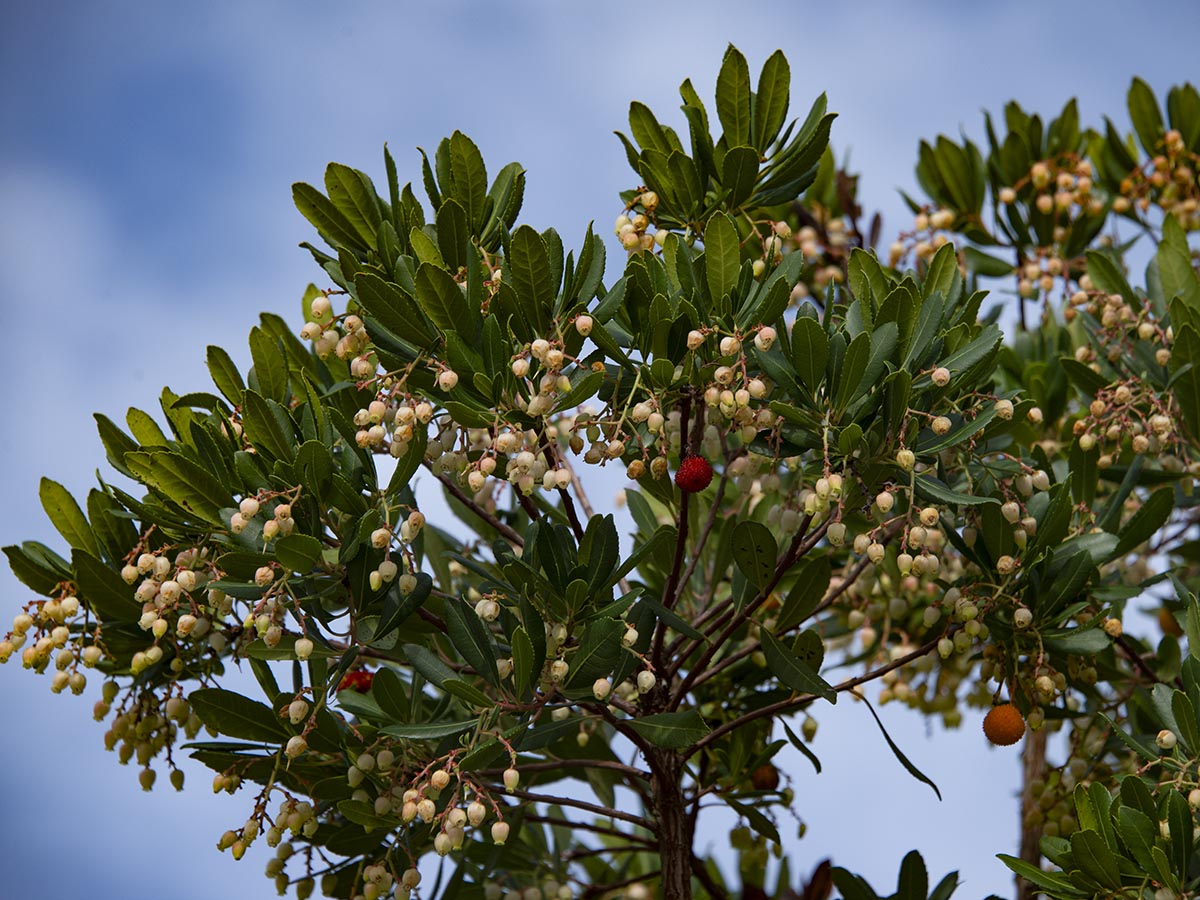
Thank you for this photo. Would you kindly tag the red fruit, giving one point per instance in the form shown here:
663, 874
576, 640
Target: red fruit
695, 474
357, 681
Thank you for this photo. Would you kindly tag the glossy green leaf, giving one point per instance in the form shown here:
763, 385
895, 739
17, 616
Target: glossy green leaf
722, 256
66, 516
264, 429
1146, 117
471, 639
529, 263
330, 222
429, 731
810, 351
793, 671
754, 551
183, 482
771, 100
225, 374
904, 760
757, 820
297, 552
103, 590
235, 716
733, 98
671, 730
441, 298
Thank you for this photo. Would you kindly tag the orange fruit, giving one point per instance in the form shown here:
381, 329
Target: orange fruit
1004, 725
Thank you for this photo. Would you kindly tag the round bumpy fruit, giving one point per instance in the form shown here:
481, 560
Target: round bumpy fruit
1004, 725
359, 680
695, 474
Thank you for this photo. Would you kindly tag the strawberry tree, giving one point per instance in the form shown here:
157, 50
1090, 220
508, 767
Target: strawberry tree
838, 471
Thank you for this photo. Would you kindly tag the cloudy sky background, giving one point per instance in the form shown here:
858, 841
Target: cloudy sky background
146, 156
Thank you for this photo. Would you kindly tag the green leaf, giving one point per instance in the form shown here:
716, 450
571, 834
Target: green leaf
441, 298
354, 196
427, 663
854, 367
671, 730
913, 882
529, 263
739, 170
771, 101
1094, 858
942, 272
1084, 641
810, 351
103, 590
1145, 523
453, 233
522, 656
1056, 882
754, 551
1138, 833
467, 693
757, 820
66, 516
598, 653
812, 581
931, 488
429, 731
1146, 116
335, 229
182, 481
986, 265
235, 716
1185, 719
802, 747
394, 308
298, 552
225, 374
904, 760
733, 98
470, 178
471, 639
115, 533
662, 536
793, 671
672, 619
263, 428
722, 256
1186, 352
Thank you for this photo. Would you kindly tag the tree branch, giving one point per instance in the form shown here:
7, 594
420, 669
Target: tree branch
801, 543
585, 806
551, 765
589, 826
782, 707
506, 531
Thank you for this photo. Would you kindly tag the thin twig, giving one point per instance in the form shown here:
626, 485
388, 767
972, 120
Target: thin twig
506, 531
551, 765
801, 543
783, 707
589, 826
583, 805
551, 454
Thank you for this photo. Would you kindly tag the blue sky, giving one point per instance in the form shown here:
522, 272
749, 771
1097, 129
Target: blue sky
146, 157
